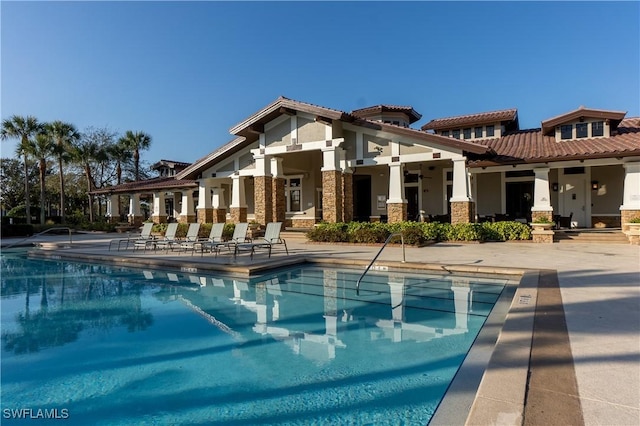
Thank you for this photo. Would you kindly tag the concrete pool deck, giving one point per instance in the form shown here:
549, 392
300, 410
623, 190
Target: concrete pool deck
595, 286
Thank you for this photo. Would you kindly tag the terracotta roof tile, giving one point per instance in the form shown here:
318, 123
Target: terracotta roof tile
532, 146
148, 185
471, 119
368, 111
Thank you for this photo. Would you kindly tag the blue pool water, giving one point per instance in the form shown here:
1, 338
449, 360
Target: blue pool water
109, 345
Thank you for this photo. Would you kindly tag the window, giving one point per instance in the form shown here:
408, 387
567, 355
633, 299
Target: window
490, 130
582, 130
467, 133
293, 192
597, 128
456, 134
478, 132
566, 131
445, 133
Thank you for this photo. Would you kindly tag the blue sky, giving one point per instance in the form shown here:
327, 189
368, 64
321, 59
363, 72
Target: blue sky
187, 72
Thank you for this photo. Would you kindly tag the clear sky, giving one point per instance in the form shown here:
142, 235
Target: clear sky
187, 72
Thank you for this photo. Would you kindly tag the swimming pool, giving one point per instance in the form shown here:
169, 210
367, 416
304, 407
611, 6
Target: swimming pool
111, 345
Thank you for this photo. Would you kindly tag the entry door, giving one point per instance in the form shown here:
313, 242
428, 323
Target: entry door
361, 198
412, 195
574, 196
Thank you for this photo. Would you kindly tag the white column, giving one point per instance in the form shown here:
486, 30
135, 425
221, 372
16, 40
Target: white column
461, 304
461, 182
276, 167
330, 159
158, 204
541, 195
113, 209
134, 205
263, 163
396, 184
204, 197
187, 203
238, 198
631, 194
217, 198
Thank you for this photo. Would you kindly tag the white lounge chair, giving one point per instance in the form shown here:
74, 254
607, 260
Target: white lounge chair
214, 242
271, 238
145, 235
191, 239
166, 242
239, 236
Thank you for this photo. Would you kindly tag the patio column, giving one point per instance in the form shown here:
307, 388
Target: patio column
134, 216
541, 196
347, 188
278, 183
396, 204
159, 214
263, 196
187, 214
331, 186
462, 205
204, 211
219, 206
113, 208
630, 207
461, 302
238, 205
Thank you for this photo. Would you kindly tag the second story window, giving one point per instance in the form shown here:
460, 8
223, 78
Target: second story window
456, 134
478, 132
445, 133
490, 130
566, 131
597, 128
467, 133
582, 130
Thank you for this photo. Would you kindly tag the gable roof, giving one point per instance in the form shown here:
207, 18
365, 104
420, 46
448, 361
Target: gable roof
148, 185
548, 126
533, 146
205, 162
471, 119
379, 109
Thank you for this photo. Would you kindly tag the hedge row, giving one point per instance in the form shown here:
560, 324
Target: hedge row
416, 233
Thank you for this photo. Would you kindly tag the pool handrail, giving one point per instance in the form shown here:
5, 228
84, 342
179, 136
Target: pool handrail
57, 228
376, 256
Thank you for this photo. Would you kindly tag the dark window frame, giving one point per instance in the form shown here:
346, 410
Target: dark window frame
582, 130
597, 128
491, 129
456, 134
475, 132
566, 131
466, 133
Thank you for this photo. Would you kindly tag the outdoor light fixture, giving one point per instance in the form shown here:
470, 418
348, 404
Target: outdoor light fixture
554, 186
594, 185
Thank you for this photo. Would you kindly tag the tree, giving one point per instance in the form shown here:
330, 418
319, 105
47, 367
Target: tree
12, 183
136, 142
64, 135
87, 152
42, 148
24, 129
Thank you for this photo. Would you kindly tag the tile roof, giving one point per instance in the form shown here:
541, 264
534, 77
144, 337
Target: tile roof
549, 125
203, 163
378, 109
149, 185
532, 146
471, 119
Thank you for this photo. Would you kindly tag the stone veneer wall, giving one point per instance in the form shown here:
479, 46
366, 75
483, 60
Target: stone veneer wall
542, 236
238, 214
332, 196
626, 216
606, 221
204, 215
219, 215
347, 200
135, 220
546, 214
263, 210
187, 219
279, 201
159, 219
397, 212
303, 223
462, 211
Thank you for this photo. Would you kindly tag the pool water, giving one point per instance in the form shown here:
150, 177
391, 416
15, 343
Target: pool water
111, 345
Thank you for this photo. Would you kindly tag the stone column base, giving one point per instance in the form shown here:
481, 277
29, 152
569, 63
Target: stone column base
542, 236
347, 196
112, 219
191, 218
544, 213
279, 201
462, 211
159, 219
205, 215
219, 215
332, 196
135, 220
396, 212
626, 216
263, 199
238, 214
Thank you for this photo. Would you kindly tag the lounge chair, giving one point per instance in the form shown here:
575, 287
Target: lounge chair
214, 242
239, 236
166, 242
191, 239
145, 235
271, 238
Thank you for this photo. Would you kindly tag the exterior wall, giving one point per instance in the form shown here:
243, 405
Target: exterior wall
379, 186
205, 215
226, 167
553, 179
219, 215
608, 197
279, 135
279, 201
135, 220
187, 219
462, 212
397, 212
159, 218
238, 214
349, 144
409, 148
309, 130
246, 161
606, 133
432, 192
347, 202
374, 146
489, 193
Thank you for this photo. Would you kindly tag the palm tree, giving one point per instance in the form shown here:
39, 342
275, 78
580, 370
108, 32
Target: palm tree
85, 152
119, 153
136, 142
42, 148
64, 135
24, 129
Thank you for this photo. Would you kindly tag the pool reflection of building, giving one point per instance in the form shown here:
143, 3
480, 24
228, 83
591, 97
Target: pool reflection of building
396, 307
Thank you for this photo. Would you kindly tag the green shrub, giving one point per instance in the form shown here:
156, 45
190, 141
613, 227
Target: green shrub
227, 233
507, 231
465, 232
367, 232
329, 233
